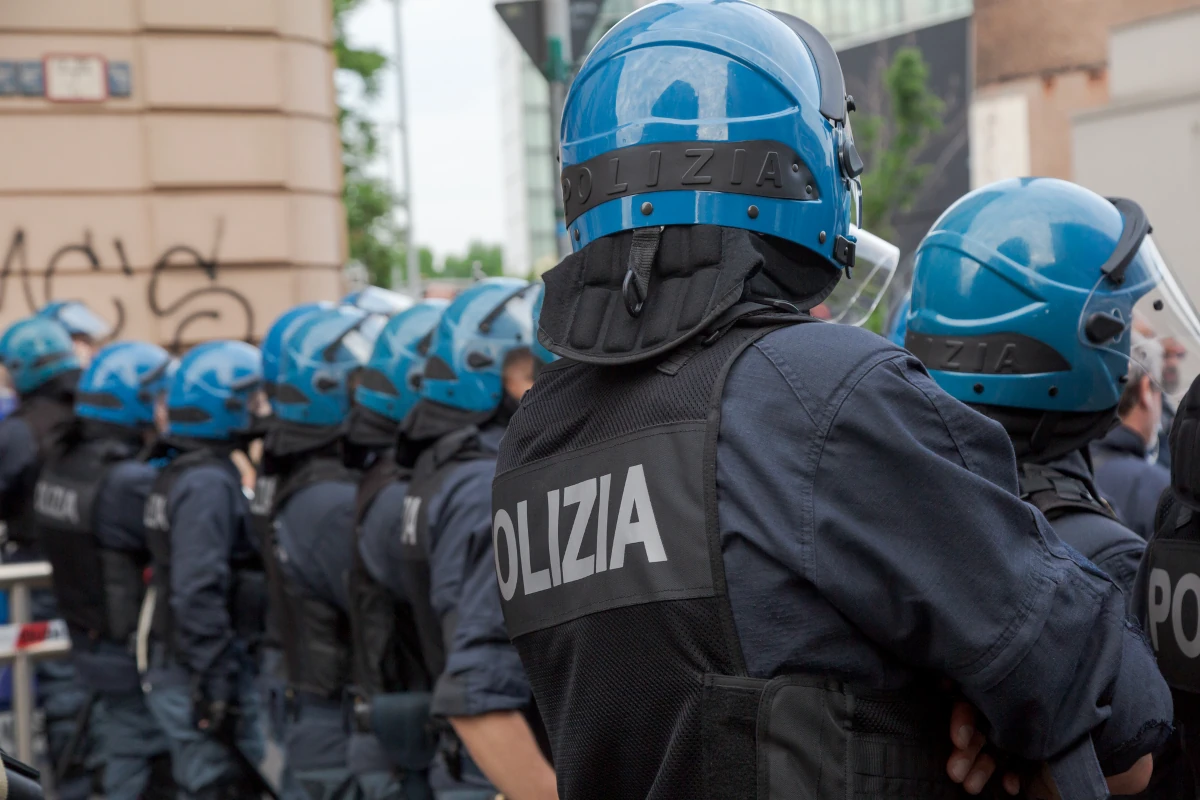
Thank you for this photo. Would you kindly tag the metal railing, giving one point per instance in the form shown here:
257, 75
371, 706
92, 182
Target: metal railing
19, 580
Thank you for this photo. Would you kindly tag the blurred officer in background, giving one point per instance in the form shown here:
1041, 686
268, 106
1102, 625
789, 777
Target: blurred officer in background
999, 329
43, 366
1170, 572
311, 547
272, 678
479, 366
775, 538
202, 604
392, 687
1127, 470
88, 331
88, 504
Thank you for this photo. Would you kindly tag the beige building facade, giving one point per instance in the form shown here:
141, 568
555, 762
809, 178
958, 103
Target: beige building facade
175, 164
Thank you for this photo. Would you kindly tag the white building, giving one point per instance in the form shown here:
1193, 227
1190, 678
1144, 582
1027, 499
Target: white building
530, 175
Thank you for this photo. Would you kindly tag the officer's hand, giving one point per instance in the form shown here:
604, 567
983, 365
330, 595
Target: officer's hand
968, 764
214, 709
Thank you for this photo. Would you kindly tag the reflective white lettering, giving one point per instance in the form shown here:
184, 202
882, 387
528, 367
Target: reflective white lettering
602, 526
503, 522
1188, 584
412, 510
1159, 602
583, 495
635, 499
534, 581
552, 518
56, 502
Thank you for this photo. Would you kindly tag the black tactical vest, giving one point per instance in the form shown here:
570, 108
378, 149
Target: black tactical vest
99, 590
315, 634
247, 596
261, 527
49, 419
609, 563
433, 467
387, 651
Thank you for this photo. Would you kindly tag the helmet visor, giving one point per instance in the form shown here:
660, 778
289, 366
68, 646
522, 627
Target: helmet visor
79, 320
1141, 315
359, 341
856, 298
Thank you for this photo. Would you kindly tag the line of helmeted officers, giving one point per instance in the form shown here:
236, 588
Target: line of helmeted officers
345, 607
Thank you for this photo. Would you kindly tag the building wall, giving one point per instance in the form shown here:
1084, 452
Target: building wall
1145, 143
1037, 64
201, 205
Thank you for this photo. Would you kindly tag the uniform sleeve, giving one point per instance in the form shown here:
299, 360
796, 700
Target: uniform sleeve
379, 542
334, 550
119, 517
18, 452
204, 522
1122, 566
921, 541
483, 670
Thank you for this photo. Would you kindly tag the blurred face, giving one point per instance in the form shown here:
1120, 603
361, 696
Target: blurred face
518, 375
85, 348
160, 413
1173, 354
1152, 405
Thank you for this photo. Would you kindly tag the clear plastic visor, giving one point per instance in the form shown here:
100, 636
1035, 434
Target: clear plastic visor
1146, 320
79, 320
859, 292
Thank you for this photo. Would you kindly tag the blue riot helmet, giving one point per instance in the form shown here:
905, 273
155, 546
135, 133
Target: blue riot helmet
36, 350
375, 300
1026, 293
392, 379
475, 335
212, 393
123, 382
319, 356
539, 349
77, 318
897, 326
650, 138
272, 343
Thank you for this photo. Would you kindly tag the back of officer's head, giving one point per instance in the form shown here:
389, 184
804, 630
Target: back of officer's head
1024, 293
38, 354
319, 357
390, 384
211, 395
123, 385
471, 366
709, 139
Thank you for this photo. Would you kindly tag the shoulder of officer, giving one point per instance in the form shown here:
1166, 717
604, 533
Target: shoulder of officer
823, 360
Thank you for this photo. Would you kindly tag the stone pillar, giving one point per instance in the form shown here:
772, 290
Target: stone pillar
184, 176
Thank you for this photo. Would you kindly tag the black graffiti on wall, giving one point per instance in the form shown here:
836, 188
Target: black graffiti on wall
191, 307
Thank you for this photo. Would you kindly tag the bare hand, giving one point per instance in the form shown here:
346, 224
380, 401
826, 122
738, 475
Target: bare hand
968, 764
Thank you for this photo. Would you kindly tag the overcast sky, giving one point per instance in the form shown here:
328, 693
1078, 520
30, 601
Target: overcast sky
451, 60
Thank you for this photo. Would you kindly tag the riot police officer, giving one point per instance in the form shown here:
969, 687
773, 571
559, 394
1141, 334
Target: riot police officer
43, 366
88, 506
1165, 595
774, 537
392, 686
206, 578
272, 678
311, 547
87, 329
479, 366
1023, 364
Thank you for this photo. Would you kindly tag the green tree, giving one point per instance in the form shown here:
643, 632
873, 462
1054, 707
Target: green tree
489, 257
891, 146
374, 235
